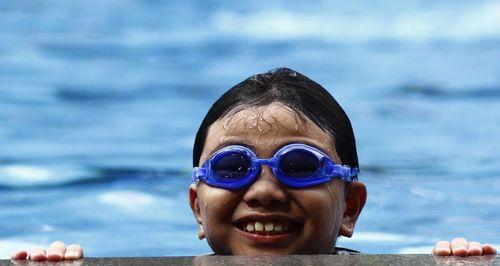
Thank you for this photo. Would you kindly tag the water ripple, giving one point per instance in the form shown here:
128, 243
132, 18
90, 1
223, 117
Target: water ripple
430, 91
38, 177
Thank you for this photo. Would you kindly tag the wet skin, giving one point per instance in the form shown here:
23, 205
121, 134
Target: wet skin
316, 216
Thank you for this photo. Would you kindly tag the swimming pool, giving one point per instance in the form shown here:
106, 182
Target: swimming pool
99, 104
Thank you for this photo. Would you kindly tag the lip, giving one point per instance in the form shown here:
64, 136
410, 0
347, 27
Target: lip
271, 238
267, 239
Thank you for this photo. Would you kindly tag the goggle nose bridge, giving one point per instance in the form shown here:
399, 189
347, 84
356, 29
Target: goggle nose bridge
265, 161
271, 162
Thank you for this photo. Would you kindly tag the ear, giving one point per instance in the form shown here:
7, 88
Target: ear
194, 203
355, 201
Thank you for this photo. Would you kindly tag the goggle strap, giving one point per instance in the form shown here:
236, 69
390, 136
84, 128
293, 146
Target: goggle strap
347, 173
354, 174
198, 173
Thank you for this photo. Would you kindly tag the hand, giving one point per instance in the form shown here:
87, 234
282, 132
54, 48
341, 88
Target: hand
460, 247
56, 252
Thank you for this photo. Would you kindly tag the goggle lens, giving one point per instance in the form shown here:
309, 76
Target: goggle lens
234, 165
299, 164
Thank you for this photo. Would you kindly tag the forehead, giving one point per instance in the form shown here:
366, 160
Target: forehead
265, 129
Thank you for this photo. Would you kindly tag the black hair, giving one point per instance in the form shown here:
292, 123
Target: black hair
293, 90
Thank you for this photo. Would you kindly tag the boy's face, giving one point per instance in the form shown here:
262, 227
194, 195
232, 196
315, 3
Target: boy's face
313, 217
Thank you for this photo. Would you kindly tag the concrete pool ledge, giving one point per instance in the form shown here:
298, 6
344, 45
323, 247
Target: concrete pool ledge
386, 259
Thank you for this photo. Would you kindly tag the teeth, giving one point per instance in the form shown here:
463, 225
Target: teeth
250, 227
259, 226
278, 228
269, 226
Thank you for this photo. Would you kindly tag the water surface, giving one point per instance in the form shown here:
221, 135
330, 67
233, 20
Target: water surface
99, 105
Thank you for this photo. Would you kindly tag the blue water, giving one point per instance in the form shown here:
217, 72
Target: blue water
100, 102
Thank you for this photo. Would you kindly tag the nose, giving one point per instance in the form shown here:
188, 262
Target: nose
266, 190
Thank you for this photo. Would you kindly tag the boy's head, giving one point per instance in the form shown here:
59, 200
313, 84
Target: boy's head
265, 113
305, 97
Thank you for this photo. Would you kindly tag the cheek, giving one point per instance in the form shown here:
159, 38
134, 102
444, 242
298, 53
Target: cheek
216, 204
324, 201
335, 204
324, 210
217, 208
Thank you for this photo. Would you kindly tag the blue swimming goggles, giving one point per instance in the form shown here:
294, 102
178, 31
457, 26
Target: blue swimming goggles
295, 165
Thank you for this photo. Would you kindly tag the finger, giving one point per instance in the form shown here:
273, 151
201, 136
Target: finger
56, 251
73, 252
37, 254
474, 249
442, 248
489, 249
20, 255
459, 247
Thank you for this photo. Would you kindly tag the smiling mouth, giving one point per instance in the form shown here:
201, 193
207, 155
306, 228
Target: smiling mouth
267, 228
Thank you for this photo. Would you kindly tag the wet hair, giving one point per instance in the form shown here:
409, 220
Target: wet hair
294, 90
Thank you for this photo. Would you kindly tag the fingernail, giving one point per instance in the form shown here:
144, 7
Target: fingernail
54, 257
460, 252
442, 251
38, 257
71, 255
